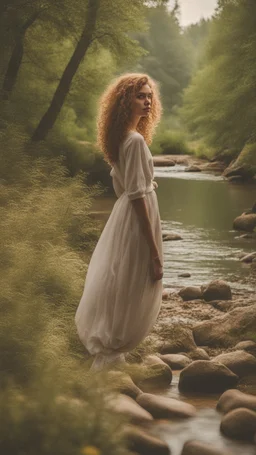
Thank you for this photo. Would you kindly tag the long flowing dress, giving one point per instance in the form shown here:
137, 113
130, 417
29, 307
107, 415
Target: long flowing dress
121, 301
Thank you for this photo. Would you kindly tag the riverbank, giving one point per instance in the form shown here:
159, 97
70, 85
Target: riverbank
235, 171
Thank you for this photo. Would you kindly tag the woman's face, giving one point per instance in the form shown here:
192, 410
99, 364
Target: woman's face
142, 101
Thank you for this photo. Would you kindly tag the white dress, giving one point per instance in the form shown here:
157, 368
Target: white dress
121, 302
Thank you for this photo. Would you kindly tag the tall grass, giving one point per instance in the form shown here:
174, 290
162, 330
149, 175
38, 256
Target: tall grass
49, 404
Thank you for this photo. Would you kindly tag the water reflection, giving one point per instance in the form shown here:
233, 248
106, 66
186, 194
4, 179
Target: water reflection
201, 208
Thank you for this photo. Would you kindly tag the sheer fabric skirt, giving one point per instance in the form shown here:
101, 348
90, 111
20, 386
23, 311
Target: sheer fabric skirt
120, 302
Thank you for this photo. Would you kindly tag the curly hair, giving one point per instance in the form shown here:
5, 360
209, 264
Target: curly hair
115, 113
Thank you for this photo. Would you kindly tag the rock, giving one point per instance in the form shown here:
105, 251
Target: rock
144, 443
184, 275
199, 354
190, 293
245, 222
217, 290
202, 448
176, 339
233, 399
216, 166
227, 329
239, 424
246, 236
168, 236
154, 372
193, 168
163, 161
240, 362
123, 383
236, 179
249, 258
166, 294
176, 361
165, 408
125, 405
205, 376
248, 346
222, 305
235, 171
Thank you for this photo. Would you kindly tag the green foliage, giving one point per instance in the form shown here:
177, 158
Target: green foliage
49, 403
247, 158
168, 58
170, 143
220, 103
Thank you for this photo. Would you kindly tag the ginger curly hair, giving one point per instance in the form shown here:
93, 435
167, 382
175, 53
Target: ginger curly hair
115, 113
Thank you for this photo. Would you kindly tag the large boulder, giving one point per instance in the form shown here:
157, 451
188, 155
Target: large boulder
239, 424
165, 408
205, 376
144, 443
190, 293
245, 222
233, 399
217, 290
176, 361
240, 362
227, 329
202, 448
122, 404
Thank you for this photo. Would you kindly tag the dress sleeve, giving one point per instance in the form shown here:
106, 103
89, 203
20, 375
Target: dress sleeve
135, 165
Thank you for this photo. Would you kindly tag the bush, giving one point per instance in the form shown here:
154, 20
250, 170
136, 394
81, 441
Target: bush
170, 143
49, 404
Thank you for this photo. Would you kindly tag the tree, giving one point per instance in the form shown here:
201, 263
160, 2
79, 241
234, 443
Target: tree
167, 59
220, 103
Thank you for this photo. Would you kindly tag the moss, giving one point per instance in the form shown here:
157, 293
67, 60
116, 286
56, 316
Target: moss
247, 159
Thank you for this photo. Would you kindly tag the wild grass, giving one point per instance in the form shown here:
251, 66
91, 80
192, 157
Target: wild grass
49, 403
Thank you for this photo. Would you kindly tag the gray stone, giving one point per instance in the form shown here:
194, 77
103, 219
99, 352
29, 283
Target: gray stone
176, 361
122, 404
217, 290
245, 222
239, 424
240, 362
165, 408
205, 376
144, 443
227, 329
233, 399
190, 293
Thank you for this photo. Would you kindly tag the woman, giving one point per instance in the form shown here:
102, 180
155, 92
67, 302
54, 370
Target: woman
123, 287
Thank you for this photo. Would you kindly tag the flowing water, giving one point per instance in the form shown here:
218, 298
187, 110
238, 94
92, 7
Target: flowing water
201, 208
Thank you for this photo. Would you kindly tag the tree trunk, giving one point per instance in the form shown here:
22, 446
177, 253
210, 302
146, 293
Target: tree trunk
62, 90
16, 58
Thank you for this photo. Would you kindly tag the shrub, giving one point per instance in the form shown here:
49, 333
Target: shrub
170, 143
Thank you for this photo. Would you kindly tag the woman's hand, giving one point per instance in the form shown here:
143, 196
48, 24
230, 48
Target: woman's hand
156, 269
155, 184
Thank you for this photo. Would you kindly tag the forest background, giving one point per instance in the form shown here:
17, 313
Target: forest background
56, 59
